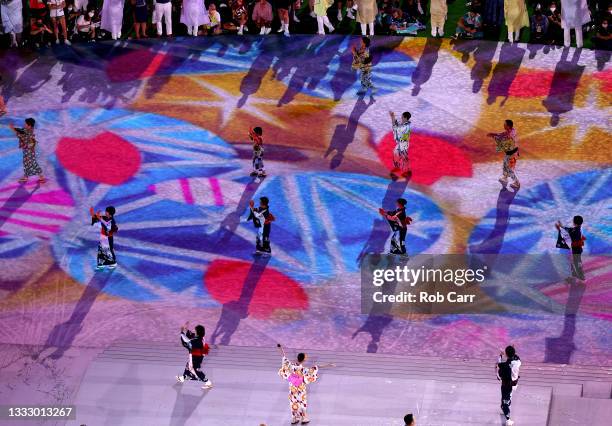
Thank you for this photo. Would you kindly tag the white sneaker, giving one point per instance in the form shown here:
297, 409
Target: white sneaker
67, 42
281, 29
207, 384
286, 33
330, 28
268, 30
295, 18
339, 15
57, 41
263, 31
313, 15
112, 265
509, 422
239, 32
180, 379
99, 267
350, 14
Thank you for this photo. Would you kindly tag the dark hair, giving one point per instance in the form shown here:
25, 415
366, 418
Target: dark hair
401, 201
110, 210
366, 41
408, 419
509, 123
200, 331
407, 115
301, 356
510, 351
578, 220
30, 122
258, 131
264, 200
367, 60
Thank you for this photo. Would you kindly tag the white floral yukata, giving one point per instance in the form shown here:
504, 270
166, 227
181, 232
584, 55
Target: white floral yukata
292, 372
401, 134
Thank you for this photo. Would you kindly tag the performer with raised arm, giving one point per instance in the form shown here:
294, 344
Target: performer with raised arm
507, 141
198, 349
298, 377
27, 143
399, 225
401, 134
577, 243
108, 227
262, 220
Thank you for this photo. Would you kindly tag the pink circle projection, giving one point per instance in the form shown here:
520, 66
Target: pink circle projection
258, 289
430, 158
105, 158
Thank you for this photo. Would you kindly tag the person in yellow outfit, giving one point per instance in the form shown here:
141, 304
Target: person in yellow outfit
438, 10
516, 17
320, 10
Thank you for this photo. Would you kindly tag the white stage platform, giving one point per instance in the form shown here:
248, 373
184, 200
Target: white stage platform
133, 384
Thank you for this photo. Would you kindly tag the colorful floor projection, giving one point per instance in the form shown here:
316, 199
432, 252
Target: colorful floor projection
160, 131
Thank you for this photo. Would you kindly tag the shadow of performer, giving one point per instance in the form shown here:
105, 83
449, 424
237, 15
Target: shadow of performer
565, 81
14, 202
235, 311
494, 241
62, 335
230, 223
429, 57
185, 405
344, 135
379, 318
504, 73
559, 349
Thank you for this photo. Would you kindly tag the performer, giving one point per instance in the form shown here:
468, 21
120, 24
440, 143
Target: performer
298, 377
283, 15
574, 14
141, 17
363, 61
194, 14
575, 234
240, 15
27, 143
163, 11
320, 10
516, 17
399, 225
262, 220
108, 228
508, 374
12, 22
507, 142
198, 349
56, 12
438, 10
350, 9
366, 15
401, 134
256, 136
112, 17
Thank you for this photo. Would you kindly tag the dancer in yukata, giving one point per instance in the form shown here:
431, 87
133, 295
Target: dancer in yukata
298, 377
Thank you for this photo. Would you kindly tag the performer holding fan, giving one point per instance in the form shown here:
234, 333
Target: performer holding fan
398, 221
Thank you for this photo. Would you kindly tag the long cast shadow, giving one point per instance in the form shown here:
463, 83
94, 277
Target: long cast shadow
379, 318
424, 69
230, 223
345, 134
14, 202
251, 82
62, 335
565, 81
494, 241
235, 311
505, 71
559, 350
184, 405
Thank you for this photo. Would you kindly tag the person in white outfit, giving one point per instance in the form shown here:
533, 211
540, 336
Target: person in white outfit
12, 19
574, 14
194, 14
112, 17
163, 10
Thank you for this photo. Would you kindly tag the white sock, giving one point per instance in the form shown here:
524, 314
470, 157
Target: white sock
434, 31
371, 25
364, 29
510, 37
